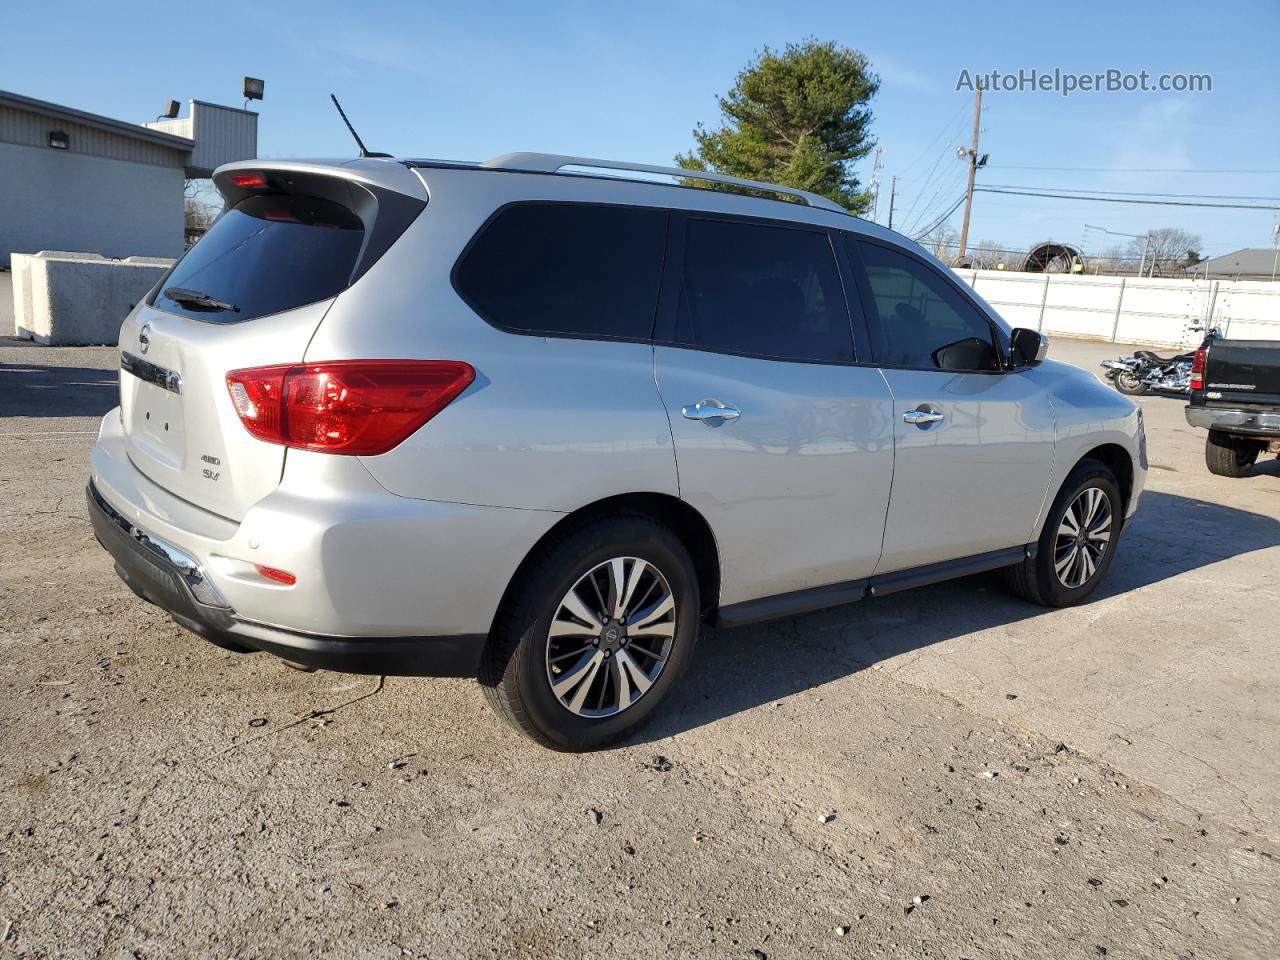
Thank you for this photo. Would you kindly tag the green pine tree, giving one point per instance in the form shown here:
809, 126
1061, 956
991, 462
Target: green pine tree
798, 118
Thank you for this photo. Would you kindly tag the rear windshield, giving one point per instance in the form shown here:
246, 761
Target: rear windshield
264, 255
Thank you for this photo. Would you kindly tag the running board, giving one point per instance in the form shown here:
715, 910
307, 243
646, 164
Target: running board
838, 594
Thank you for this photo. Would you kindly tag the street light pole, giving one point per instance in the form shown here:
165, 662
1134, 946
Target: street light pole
1144, 237
1275, 235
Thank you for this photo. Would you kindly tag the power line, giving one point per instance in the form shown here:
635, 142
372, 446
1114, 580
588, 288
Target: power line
947, 128
1100, 199
946, 188
925, 186
1008, 166
940, 220
1131, 193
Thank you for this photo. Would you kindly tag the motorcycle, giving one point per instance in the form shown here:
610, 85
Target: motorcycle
1135, 375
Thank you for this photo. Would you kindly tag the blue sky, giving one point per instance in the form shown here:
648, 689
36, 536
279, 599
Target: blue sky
473, 80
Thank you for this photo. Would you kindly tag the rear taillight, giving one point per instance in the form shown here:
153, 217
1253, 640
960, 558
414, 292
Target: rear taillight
1197, 369
353, 407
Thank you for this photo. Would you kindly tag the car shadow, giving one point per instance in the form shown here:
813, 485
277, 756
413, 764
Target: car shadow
36, 390
735, 670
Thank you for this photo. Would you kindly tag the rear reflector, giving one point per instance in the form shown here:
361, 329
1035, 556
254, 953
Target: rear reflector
279, 576
1197, 369
249, 181
352, 407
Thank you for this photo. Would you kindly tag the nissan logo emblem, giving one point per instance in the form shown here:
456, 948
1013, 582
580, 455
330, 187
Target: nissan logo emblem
144, 337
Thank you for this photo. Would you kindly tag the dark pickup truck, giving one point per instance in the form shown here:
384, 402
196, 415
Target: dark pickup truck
1235, 393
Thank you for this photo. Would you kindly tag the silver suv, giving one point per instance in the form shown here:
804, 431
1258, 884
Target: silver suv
537, 420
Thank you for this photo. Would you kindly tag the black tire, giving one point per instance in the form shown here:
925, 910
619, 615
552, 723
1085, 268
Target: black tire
514, 672
1228, 456
1129, 385
1035, 578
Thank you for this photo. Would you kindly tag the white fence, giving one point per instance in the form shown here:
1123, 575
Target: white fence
1131, 310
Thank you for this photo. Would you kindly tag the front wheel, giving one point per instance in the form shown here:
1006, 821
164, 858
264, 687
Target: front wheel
1228, 456
1129, 384
595, 634
1077, 543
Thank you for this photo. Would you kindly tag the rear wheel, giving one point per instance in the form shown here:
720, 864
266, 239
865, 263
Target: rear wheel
1129, 384
595, 635
1229, 456
1077, 543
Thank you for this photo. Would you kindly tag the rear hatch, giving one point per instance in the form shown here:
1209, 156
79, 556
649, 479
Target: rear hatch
1243, 371
250, 293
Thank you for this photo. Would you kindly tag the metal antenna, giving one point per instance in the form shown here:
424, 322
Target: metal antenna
364, 152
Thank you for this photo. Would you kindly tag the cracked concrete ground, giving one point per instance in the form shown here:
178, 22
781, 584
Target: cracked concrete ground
1005, 782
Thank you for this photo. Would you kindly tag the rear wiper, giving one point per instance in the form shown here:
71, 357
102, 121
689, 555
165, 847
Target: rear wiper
201, 301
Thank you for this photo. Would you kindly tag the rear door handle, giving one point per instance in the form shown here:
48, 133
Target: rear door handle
710, 410
922, 416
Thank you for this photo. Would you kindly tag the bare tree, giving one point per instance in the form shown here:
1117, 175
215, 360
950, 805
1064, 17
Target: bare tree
1170, 250
987, 255
201, 205
943, 242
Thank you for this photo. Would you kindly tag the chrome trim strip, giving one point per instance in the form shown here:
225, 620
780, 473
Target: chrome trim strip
149, 372
201, 587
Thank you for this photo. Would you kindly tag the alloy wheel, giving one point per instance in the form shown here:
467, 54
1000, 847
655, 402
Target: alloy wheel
610, 637
1084, 536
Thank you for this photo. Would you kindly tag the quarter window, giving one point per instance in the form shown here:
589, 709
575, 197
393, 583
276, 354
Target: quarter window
763, 291
568, 269
923, 321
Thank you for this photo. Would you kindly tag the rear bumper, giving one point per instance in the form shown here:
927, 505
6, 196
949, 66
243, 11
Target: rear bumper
1236, 420
172, 580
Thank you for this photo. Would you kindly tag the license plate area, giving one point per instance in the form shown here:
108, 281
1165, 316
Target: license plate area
157, 424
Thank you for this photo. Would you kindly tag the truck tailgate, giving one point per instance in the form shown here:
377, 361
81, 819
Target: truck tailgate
1243, 371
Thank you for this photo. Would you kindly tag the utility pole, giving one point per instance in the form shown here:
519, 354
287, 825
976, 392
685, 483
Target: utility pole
893, 192
973, 169
1146, 245
875, 182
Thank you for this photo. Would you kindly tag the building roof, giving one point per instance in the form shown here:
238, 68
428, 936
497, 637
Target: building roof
1250, 261
120, 127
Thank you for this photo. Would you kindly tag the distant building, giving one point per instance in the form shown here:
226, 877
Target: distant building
1249, 263
80, 182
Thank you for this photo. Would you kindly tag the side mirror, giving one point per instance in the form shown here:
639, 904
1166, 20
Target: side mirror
1027, 347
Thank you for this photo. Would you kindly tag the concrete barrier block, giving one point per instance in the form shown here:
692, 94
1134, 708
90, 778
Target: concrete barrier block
61, 298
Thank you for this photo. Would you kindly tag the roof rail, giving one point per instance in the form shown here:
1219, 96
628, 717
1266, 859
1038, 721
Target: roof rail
554, 163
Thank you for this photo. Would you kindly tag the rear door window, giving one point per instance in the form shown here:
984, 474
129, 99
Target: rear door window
763, 291
921, 319
567, 269
265, 255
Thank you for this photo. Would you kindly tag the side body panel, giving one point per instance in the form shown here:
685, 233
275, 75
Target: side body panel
1089, 415
975, 480
795, 489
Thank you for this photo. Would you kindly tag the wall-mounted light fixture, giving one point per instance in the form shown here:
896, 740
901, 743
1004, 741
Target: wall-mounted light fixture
171, 108
253, 89
58, 140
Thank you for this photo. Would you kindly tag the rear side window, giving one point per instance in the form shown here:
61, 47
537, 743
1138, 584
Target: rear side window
923, 321
764, 291
264, 255
567, 269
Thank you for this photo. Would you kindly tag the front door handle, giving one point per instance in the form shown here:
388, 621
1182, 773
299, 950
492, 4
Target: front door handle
705, 410
922, 416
